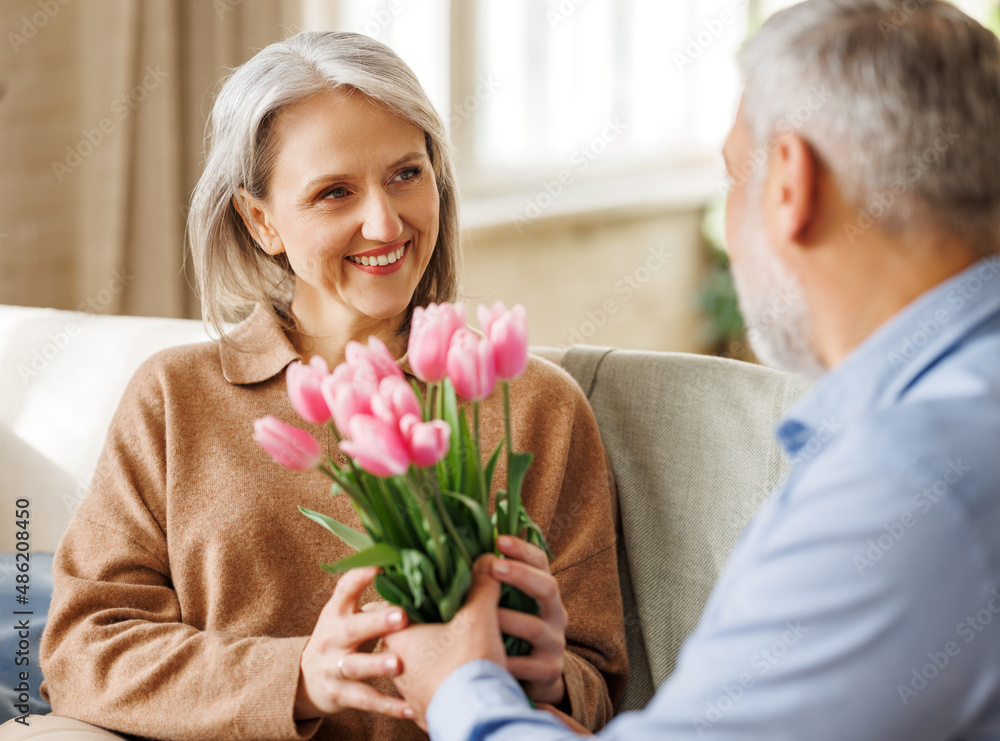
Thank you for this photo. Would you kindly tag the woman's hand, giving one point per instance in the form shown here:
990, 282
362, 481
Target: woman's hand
331, 671
527, 568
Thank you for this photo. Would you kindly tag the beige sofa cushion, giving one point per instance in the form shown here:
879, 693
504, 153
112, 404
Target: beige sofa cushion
693, 453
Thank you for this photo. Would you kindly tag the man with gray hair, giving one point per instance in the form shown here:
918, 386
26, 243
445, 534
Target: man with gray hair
863, 600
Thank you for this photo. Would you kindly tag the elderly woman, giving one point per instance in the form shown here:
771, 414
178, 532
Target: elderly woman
189, 603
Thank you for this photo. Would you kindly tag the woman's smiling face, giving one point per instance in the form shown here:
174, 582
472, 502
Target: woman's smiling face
352, 202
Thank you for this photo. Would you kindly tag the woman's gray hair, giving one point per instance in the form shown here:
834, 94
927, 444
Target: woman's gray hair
901, 101
233, 273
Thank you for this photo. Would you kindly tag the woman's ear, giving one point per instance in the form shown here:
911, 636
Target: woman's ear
258, 222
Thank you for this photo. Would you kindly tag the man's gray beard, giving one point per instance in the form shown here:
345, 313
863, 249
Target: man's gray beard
774, 308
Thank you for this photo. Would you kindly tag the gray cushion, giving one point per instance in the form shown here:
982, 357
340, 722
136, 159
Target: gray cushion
691, 444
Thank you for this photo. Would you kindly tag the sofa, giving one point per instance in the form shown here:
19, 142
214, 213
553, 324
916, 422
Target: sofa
689, 438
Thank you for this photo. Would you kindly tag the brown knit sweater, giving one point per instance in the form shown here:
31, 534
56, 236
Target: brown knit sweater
188, 583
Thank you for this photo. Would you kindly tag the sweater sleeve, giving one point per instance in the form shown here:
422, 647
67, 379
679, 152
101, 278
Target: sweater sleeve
581, 534
116, 651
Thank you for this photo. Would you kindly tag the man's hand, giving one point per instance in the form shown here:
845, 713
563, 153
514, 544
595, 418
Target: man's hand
431, 652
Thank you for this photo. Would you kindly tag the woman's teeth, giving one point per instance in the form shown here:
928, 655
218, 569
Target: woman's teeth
381, 259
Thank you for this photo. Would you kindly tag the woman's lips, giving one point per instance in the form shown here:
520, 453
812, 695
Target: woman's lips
388, 267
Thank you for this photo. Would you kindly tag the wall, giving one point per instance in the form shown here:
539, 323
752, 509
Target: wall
622, 279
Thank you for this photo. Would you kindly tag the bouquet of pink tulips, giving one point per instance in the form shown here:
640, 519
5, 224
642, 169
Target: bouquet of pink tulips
415, 471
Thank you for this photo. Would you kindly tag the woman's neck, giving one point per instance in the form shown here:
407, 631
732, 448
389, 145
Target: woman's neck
326, 329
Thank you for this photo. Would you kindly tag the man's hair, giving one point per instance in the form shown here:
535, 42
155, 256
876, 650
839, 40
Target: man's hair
900, 99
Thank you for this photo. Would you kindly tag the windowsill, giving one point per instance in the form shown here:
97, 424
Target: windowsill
676, 189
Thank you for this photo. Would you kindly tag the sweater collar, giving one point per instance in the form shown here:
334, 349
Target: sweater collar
260, 350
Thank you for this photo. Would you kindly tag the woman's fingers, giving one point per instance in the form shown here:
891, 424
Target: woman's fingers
345, 597
540, 585
365, 666
541, 635
368, 626
369, 699
523, 551
532, 669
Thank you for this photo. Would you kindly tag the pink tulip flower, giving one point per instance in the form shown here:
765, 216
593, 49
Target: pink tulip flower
471, 365
508, 334
431, 330
304, 389
395, 399
293, 448
376, 446
428, 442
348, 391
373, 362
346, 399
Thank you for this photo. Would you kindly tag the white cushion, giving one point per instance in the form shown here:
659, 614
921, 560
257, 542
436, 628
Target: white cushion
61, 376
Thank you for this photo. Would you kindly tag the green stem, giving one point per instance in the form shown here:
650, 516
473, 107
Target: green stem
449, 525
433, 524
357, 495
397, 521
479, 455
513, 498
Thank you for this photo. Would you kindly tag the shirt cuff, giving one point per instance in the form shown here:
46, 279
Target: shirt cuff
474, 690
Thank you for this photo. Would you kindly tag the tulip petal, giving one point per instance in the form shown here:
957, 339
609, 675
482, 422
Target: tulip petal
293, 448
376, 446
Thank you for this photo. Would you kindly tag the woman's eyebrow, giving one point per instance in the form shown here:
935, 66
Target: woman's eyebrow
415, 155
407, 158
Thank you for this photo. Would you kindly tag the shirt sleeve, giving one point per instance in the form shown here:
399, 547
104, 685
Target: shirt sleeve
855, 606
116, 651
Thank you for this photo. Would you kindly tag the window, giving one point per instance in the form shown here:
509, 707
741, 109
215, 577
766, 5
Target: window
600, 87
594, 93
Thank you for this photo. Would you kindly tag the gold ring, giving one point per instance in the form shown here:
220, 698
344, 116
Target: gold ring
340, 666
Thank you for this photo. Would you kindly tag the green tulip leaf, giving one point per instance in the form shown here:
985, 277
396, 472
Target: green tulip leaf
533, 534
452, 600
350, 536
480, 517
491, 465
381, 554
449, 469
519, 463
388, 589
419, 572
469, 482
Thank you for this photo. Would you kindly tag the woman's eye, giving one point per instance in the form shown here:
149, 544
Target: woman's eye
337, 193
408, 174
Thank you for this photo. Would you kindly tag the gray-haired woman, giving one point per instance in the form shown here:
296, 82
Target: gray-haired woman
188, 601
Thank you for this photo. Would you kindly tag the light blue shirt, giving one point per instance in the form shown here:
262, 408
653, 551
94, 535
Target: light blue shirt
863, 600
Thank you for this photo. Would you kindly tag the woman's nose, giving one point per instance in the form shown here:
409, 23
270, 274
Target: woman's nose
381, 222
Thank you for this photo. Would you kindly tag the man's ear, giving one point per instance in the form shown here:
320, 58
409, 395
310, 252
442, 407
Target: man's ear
792, 188
258, 222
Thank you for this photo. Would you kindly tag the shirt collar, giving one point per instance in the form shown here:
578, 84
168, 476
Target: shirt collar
260, 350
880, 370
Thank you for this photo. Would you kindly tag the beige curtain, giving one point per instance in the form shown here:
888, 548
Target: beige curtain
102, 112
